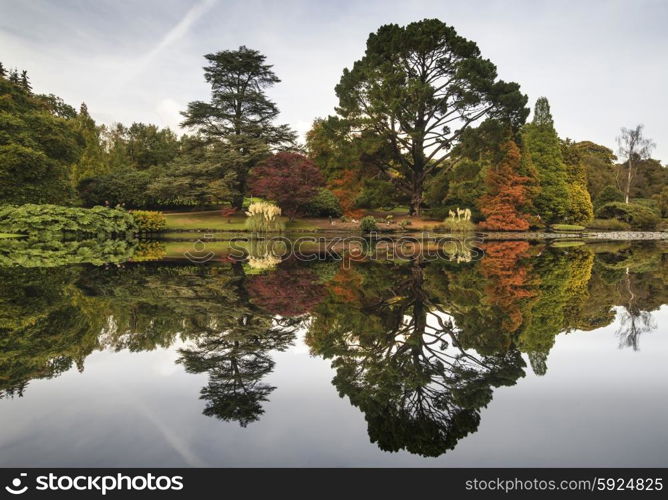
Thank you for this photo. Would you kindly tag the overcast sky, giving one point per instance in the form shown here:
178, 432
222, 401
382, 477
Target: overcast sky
602, 64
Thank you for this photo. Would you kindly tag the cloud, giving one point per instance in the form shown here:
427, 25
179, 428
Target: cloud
179, 31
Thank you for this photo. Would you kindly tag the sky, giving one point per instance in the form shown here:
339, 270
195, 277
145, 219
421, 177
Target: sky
601, 64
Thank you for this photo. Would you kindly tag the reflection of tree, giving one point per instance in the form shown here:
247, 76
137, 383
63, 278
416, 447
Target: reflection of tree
633, 321
287, 292
46, 326
397, 357
237, 360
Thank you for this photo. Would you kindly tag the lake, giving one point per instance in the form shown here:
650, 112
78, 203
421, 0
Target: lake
521, 354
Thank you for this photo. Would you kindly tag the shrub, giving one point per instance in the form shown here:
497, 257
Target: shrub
404, 224
609, 194
323, 204
368, 224
638, 216
458, 225
149, 221
609, 224
52, 220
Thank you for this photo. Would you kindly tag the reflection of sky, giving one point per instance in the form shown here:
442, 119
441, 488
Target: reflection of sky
598, 405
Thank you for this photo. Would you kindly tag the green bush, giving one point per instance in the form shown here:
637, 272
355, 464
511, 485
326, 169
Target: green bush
36, 252
53, 220
608, 194
458, 225
149, 221
323, 204
638, 216
368, 224
377, 193
609, 225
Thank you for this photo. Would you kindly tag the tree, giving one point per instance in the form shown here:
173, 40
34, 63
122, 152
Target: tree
93, 160
202, 175
633, 146
506, 195
417, 89
239, 113
541, 144
598, 162
609, 194
289, 179
581, 208
37, 148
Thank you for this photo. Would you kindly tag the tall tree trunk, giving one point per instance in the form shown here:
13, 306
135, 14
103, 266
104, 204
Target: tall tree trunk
629, 176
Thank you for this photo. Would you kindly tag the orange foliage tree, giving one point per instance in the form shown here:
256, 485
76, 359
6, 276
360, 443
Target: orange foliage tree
507, 193
508, 285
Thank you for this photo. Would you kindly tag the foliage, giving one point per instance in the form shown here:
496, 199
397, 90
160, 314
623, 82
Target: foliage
42, 253
286, 292
417, 88
239, 116
289, 179
609, 194
567, 227
377, 193
609, 225
323, 204
638, 216
458, 225
149, 221
368, 224
202, 176
541, 144
52, 220
128, 188
662, 200
506, 197
37, 148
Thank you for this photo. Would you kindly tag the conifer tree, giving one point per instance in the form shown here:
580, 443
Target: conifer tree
541, 143
506, 195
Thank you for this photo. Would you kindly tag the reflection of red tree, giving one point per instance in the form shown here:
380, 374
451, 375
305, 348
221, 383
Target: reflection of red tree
346, 284
508, 285
286, 292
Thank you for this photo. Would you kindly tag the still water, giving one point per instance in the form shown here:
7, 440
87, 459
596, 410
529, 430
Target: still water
534, 355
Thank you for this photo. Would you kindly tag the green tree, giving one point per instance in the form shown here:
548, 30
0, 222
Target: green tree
418, 88
239, 114
37, 148
541, 143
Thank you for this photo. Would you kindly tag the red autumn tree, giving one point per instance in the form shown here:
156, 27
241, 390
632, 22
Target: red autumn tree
509, 285
507, 193
286, 292
289, 179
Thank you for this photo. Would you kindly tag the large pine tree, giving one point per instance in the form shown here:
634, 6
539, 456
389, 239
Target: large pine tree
239, 114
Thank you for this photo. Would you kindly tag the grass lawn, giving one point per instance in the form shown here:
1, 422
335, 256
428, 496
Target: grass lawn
567, 227
214, 221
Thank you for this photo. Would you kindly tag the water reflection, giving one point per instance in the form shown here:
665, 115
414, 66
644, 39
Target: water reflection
418, 347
